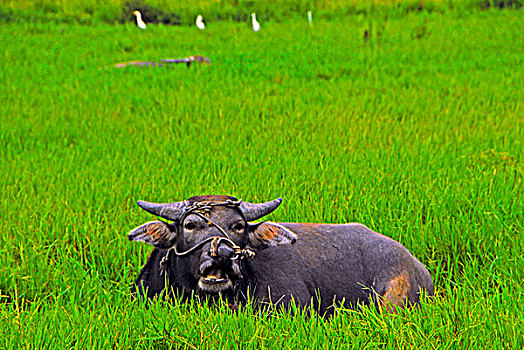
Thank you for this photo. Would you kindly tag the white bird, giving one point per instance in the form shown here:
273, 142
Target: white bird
256, 25
200, 22
309, 18
141, 24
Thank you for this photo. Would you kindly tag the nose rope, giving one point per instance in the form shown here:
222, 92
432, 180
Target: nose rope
239, 252
216, 240
202, 209
213, 250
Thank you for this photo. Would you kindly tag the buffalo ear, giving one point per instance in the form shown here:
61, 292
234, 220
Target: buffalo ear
268, 234
156, 233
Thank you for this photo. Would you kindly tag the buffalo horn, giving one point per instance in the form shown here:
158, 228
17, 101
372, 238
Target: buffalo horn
256, 211
169, 211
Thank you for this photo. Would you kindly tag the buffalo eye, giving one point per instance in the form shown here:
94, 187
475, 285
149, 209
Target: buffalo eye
190, 226
239, 226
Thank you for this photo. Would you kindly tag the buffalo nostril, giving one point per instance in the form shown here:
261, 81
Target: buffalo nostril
225, 252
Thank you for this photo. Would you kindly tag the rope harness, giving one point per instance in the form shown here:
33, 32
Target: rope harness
203, 210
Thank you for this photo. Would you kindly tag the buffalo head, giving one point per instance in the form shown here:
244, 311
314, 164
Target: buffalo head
209, 236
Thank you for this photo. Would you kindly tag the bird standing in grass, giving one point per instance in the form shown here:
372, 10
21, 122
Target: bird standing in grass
256, 25
141, 24
200, 22
309, 18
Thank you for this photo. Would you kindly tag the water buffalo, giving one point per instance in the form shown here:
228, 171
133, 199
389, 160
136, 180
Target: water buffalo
210, 247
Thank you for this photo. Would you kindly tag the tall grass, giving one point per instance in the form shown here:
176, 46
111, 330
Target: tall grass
94, 11
416, 133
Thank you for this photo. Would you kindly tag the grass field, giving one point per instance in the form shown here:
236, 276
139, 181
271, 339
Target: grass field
184, 11
416, 133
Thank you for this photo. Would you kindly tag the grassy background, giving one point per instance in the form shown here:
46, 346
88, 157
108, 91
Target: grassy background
416, 133
95, 11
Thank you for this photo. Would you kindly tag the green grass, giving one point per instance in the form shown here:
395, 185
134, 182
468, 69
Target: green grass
185, 12
417, 134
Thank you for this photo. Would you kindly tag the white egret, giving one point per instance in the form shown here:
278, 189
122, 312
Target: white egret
200, 22
141, 24
256, 25
309, 18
